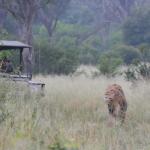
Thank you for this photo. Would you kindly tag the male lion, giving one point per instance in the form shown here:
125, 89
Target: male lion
116, 101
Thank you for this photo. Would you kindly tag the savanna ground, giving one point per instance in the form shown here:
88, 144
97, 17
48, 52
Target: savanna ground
72, 116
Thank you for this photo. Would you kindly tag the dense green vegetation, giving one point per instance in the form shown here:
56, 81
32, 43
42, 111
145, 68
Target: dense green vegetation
75, 37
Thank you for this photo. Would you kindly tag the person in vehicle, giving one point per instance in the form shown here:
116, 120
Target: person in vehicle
0, 64
9, 67
3, 64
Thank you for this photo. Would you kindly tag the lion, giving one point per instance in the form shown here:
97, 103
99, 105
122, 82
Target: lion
116, 102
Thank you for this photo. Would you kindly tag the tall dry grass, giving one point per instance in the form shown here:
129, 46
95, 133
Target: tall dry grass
73, 116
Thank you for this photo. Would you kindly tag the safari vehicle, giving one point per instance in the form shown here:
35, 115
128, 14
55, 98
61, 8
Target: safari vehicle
24, 73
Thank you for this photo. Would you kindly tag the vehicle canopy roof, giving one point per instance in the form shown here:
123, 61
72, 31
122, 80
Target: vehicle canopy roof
12, 45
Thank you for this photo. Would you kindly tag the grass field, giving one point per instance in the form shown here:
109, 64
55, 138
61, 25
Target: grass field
72, 116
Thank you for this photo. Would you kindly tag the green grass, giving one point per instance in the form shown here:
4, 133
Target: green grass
72, 116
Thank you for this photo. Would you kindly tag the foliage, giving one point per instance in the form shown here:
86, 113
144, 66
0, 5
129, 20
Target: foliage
109, 63
4, 54
136, 28
13, 56
138, 71
145, 52
127, 53
69, 33
130, 74
120, 54
57, 146
116, 38
4, 34
89, 51
59, 60
62, 55
79, 14
62, 145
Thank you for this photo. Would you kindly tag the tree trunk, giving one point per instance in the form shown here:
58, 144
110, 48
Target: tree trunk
27, 37
49, 28
3, 15
49, 22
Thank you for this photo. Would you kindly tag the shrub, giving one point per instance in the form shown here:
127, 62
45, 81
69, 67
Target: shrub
145, 52
64, 144
54, 60
109, 64
138, 71
127, 53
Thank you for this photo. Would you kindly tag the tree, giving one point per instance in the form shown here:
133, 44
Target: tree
3, 15
145, 52
55, 59
109, 63
51, 12
136, 28
24, 12
105, 14
127, 53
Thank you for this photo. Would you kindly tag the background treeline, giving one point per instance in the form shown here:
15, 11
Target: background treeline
68, 33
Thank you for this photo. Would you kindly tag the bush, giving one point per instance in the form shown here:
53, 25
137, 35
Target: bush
109, 64
145, 52
138, 71
62, 144
127, 53
54, 60
90, 50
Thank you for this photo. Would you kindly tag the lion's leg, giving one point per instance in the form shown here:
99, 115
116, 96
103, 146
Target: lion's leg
123, 109
112, 115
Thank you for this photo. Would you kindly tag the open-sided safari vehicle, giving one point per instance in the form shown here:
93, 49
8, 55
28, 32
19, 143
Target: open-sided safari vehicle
24, 71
